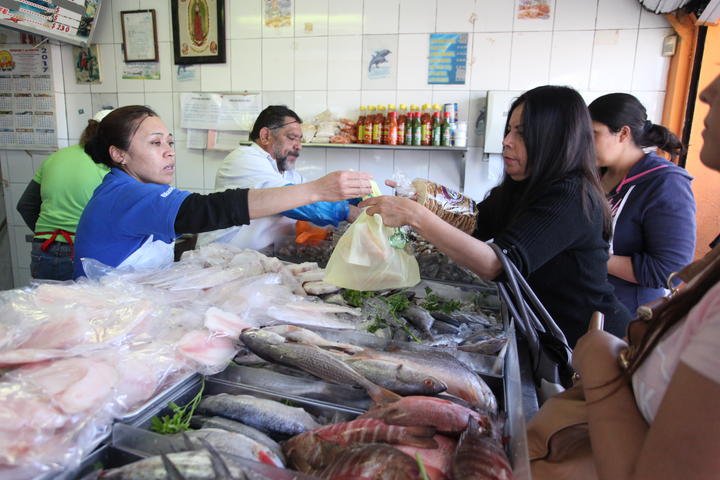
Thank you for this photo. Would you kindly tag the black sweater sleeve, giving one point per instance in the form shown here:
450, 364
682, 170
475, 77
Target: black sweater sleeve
29, 204
204, 213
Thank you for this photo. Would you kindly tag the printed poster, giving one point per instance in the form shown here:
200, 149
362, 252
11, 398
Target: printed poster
447, 61
533, 10
214, 111
278, 13
87, 64
27, 99
379, 62
141, 71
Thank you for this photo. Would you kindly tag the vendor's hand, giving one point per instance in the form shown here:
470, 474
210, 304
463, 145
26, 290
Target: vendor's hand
395, 211
342, 185
595, 356
353, 213
391, 183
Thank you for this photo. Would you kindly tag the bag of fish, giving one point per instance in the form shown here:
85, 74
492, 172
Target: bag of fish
365, 259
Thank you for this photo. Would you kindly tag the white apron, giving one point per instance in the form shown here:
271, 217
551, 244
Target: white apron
152, 254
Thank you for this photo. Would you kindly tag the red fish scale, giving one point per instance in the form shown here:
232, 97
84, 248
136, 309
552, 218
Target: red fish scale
372, 461
481, 457
442, 414
375, 431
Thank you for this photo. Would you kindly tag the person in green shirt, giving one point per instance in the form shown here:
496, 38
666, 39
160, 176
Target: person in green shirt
53, 202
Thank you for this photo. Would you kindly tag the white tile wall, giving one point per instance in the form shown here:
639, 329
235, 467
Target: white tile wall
597, 46
311, 17
417, 16
244, 19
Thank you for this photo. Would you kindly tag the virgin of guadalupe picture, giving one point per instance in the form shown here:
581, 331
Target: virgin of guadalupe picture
198, 31
198, 23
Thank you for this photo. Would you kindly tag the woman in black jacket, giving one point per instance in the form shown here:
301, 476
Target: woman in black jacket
549, 214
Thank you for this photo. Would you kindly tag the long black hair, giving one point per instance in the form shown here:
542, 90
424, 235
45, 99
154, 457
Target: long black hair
616, 110
116, 129
558, 138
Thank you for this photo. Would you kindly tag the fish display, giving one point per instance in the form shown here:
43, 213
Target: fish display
228, 442
222, 423
399, 378
442, 415
480, 456
459, 379
266, 415
312, 359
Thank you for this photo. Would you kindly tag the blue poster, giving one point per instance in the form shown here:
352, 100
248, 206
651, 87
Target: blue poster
448, 58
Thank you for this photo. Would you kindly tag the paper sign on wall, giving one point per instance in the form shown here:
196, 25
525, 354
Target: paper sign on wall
447, 62
214, 111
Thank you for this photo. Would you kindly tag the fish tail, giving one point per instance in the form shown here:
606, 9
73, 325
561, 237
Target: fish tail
382, 396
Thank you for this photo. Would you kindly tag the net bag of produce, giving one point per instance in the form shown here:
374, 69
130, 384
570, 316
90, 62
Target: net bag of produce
364, 259
453, 207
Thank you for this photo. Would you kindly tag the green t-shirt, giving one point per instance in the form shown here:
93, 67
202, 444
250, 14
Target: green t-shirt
67, 180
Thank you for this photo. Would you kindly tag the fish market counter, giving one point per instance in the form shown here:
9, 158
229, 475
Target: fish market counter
231, 362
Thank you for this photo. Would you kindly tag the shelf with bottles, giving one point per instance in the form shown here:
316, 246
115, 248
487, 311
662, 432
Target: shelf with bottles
379, 147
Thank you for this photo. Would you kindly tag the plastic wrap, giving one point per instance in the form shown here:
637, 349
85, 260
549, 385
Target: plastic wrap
451, 206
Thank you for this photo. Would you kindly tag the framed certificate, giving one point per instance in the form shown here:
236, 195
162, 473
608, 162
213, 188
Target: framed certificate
198, 31
139, 31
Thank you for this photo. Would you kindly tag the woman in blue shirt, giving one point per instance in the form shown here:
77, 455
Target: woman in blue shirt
651, 202
135, 214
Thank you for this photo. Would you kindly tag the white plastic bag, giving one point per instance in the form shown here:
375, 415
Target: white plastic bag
364, 259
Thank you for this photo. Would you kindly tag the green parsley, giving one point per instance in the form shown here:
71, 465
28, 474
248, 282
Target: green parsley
180, 419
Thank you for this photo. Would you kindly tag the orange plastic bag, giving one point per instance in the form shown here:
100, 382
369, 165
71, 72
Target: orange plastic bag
308, 234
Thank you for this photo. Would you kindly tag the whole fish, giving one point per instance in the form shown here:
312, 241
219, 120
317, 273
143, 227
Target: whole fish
443, 415
401, 379
457, 318
371, 430
480, 456
228, 442
419, 318
195, 465
312, 359
460, 380
303, 335
329, 460
437, 461
372, 461
266, 415
199, 421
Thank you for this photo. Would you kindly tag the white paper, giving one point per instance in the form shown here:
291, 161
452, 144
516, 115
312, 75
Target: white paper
197, 138
214, 111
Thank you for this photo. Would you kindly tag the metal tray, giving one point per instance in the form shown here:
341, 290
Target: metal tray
160, 398
144, 443
325, 412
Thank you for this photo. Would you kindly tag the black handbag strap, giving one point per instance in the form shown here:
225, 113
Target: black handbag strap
532, 319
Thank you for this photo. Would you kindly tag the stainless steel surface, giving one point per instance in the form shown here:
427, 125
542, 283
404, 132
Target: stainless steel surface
514, 408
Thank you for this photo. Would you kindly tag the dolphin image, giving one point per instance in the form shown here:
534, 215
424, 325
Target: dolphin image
378, 58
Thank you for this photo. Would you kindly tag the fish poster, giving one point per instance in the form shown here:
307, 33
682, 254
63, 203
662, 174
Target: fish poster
379, 62
447, 61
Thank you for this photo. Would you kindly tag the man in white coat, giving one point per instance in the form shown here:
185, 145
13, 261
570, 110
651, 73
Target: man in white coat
269, 162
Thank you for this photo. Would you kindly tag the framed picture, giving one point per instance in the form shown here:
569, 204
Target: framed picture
139, 33
87, 64
198, 31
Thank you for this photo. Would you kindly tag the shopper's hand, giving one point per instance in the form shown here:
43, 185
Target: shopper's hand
395, 211
342, 185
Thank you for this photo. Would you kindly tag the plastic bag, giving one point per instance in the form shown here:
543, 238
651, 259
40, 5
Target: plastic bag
307, 233
364, 259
